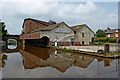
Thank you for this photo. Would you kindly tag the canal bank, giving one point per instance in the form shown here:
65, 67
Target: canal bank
90, 50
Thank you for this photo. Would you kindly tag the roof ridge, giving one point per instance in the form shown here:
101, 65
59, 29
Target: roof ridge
40, 21
78, 25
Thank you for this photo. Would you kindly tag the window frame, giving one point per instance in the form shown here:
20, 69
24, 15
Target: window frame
116, 34
108, 35
83, 35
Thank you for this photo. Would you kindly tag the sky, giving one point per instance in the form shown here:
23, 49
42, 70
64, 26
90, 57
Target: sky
97, 15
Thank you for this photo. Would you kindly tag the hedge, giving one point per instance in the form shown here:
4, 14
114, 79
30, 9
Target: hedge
112, 39
105, 40
100, 40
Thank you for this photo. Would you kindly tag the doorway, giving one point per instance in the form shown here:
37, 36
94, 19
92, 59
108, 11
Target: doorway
82, 42
72, 41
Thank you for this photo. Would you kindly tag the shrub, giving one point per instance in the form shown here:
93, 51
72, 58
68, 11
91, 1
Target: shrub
92, 39
95, 40
102, 39
105, 40
99, 43
112, 39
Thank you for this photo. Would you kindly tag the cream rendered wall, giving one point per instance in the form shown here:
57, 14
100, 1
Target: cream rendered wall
60, 35
52, 35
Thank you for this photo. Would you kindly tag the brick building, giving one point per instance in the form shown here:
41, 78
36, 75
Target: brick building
35, 30
113, 33
32, 24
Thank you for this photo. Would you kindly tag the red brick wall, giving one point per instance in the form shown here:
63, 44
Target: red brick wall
35, 35
113, 35
118, 36
34, 25
64, 43
106, 35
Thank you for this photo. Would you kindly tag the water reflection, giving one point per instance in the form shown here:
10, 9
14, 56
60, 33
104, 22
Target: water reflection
12, 46
4, 58
69, 64
34, 57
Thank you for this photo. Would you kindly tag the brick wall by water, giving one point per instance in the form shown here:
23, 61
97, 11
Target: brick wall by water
35, 35
30, 25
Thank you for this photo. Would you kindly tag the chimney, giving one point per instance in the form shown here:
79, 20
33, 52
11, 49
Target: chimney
52, 22
108, 28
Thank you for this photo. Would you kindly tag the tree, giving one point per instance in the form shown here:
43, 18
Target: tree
100, 33
2, 29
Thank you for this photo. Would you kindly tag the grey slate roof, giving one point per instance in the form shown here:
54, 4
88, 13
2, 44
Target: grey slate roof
50, 27
74, 28
111, 31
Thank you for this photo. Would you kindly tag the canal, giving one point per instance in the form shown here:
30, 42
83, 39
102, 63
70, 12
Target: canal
36, 62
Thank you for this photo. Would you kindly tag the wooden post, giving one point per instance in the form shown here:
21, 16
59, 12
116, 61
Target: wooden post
23, 44
106, 47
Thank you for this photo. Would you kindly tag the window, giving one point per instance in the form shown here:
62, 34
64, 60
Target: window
116, 30
74, 32
83, 42
82, 34
108, 35
116, 35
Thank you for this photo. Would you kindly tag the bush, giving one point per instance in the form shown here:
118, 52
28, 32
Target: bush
92, 39
105, 40
99, 43
112, 39
95, 40
102, 39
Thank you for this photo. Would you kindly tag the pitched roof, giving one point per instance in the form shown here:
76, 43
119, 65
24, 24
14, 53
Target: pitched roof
39, 21
111, 31
51, 26
48, 27
74, 28
77, 27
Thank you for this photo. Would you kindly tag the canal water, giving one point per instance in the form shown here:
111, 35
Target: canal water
36, 62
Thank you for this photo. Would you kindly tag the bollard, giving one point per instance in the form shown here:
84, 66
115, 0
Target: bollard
107, 48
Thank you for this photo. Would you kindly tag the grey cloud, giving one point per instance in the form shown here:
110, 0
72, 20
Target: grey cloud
71, 13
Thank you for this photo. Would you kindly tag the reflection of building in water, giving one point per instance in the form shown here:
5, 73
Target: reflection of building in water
42, 53
106, 62
32, 61
34, 57
82, 61
99, 59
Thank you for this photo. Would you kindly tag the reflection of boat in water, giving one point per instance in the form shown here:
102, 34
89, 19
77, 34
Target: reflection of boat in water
34, 57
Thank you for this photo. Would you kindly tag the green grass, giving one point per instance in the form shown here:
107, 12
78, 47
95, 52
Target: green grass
73, 50
113, 53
